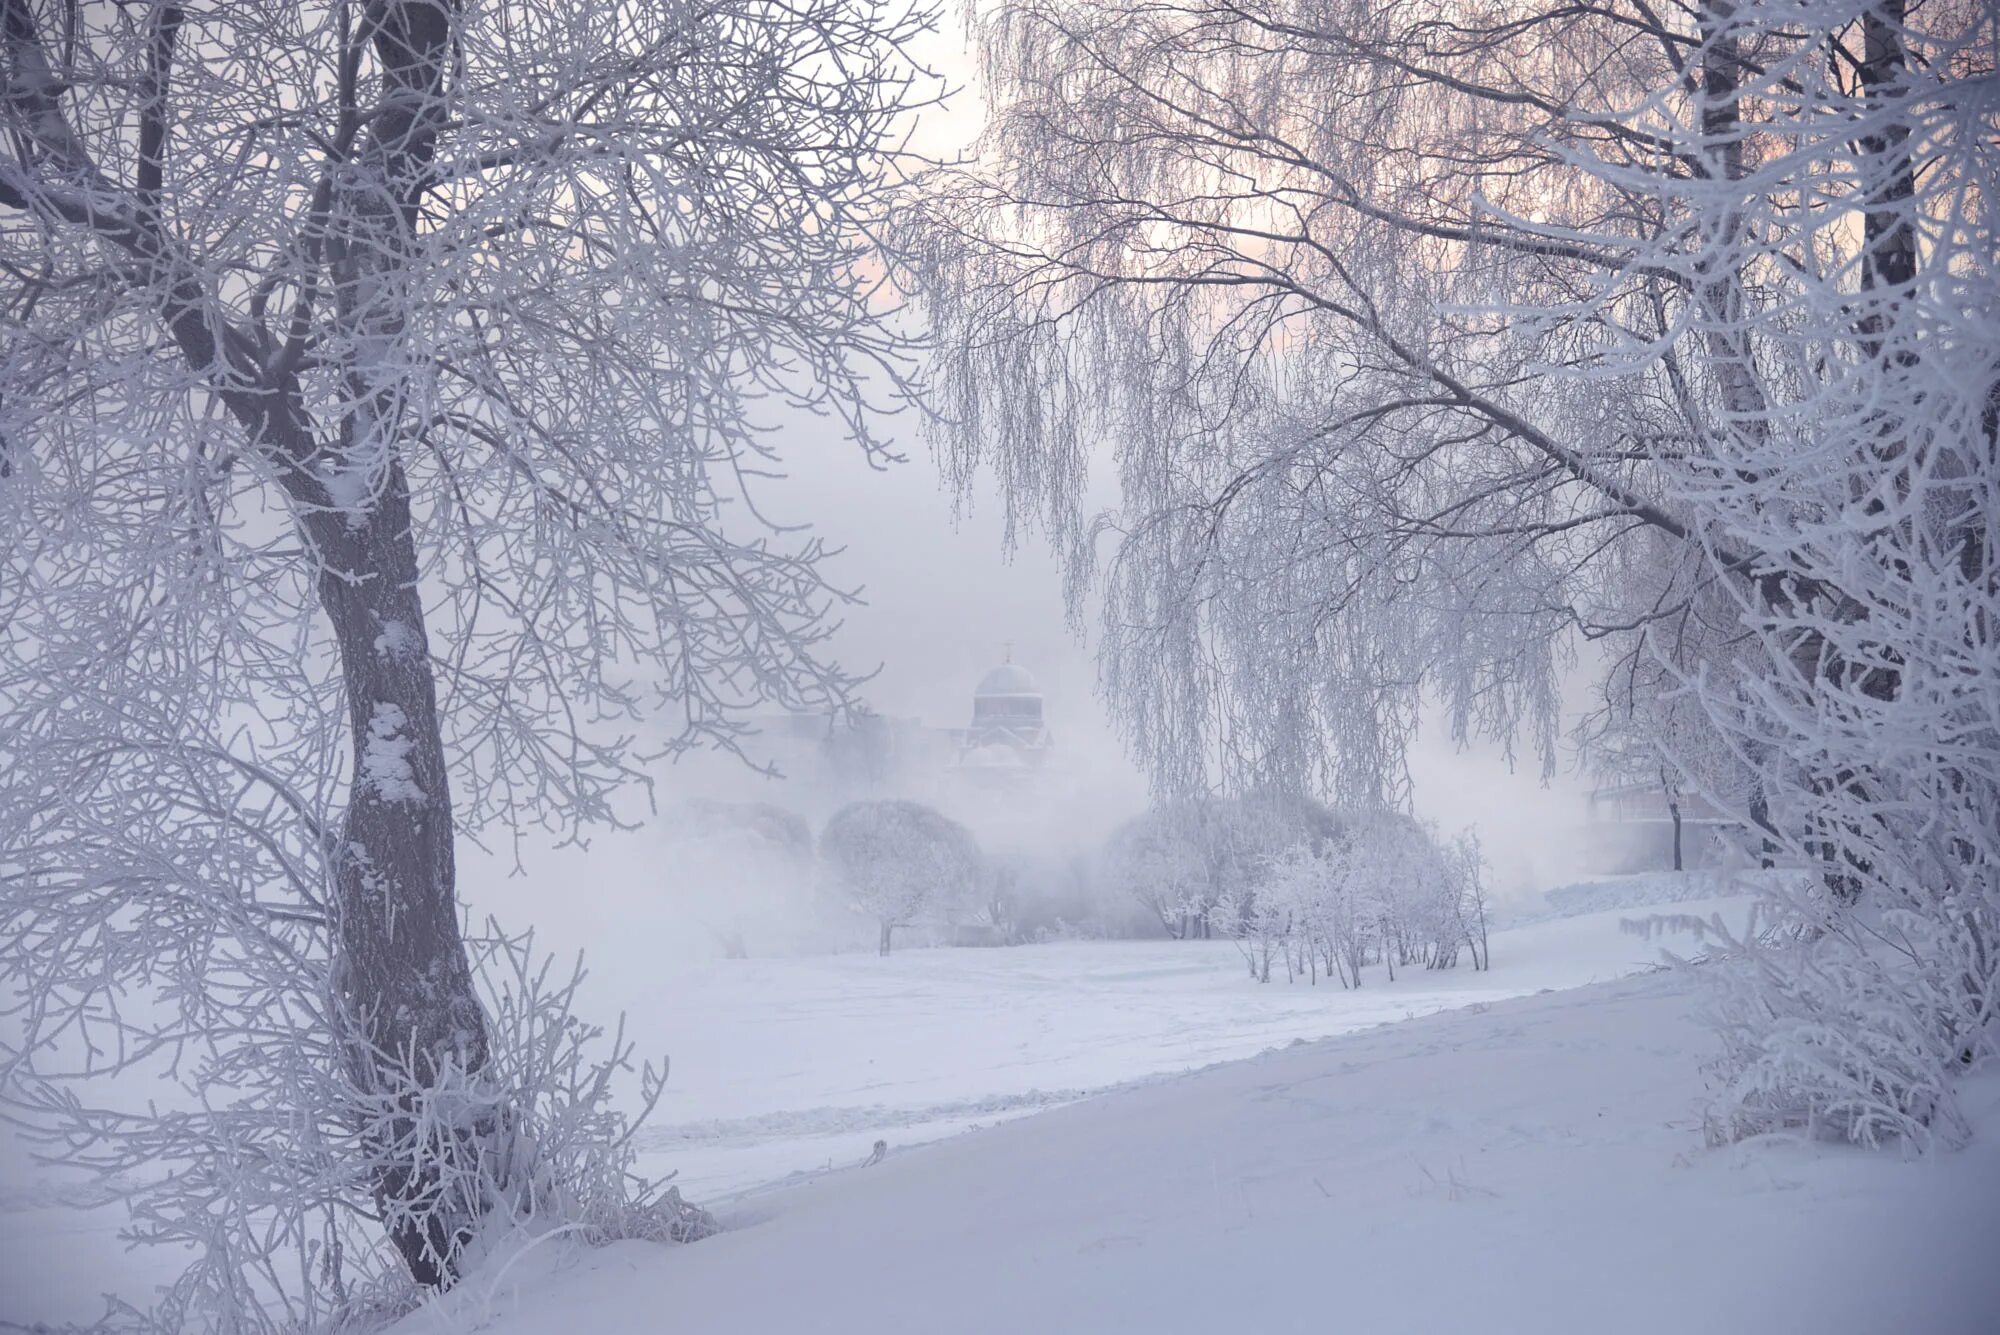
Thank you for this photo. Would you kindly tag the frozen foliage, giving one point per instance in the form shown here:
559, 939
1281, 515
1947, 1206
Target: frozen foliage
1389, 892
1183, 858
383, 389
274, 1166
1431, 339
900, 862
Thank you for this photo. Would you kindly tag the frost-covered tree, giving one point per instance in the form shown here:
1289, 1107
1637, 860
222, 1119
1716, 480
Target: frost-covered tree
1157, 860
1652, 727
380, 387
1465, 872
899, 862
1187, 856
1388, 889
1415, 329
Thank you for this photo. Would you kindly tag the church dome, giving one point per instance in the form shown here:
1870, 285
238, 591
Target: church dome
1007, 739
1007, 679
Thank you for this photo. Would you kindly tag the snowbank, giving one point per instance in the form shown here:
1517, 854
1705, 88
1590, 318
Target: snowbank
789, 1067
1531, 1166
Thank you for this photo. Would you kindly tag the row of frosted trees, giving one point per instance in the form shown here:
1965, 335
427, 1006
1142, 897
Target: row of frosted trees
1291, 881
1392, 896
1294, 882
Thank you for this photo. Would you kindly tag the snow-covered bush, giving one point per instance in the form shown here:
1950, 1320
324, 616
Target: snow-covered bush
1261, 920
1191, 861
1160, 861
269, 1172
900, 862
1389, 890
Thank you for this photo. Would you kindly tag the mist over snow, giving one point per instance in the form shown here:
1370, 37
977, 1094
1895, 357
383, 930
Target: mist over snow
876, 667
943, 603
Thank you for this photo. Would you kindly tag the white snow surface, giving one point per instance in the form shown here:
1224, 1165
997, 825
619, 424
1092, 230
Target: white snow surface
1182, 1202
385, 761
1529, 1166
784, 1066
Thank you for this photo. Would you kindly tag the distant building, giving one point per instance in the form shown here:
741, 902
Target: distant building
1635, 827
1008, 740
828, 758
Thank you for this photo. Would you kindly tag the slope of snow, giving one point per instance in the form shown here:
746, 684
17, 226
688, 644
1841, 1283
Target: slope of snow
784, 1068
1531, 1166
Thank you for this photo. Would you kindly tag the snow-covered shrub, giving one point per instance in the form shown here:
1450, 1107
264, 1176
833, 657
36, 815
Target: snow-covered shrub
267, 1174
1388, 890
1158, 860
1261, 920
1829, 1038
1427, 894
1192, 861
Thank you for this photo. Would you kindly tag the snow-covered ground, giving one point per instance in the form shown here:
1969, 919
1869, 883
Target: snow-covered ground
795, 1065
1529, 1166
786, 1072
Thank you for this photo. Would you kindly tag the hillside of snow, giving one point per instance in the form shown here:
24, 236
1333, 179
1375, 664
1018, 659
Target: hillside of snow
787, 1067
786, 1072
1530, 1166
784, 1066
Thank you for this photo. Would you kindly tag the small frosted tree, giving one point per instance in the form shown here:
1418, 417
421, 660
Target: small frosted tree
1386, 884
1161, 860
1464, 866
1193, 861
899, 862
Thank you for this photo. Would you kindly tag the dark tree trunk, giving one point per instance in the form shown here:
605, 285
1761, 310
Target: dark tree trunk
408, 1009
400, 964
404, 980
882, 948
1766, 833
1674, 809
1889, 236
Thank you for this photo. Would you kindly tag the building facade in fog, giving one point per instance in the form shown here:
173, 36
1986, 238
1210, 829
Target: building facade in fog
1636, 827
1008, 741
827, 759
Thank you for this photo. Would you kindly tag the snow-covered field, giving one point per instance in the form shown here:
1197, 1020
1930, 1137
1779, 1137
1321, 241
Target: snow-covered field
1531, 1166
787, 1071
794, 1065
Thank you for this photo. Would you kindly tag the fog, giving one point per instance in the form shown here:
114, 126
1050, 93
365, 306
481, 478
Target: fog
942, 601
